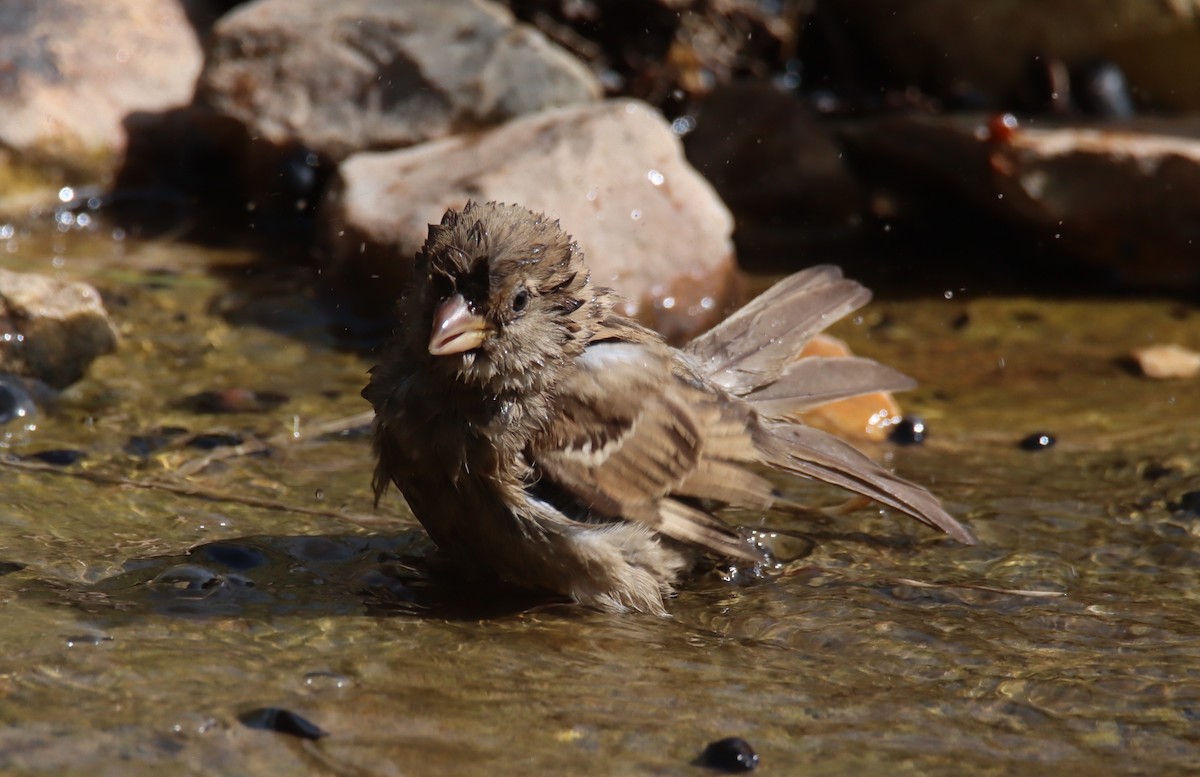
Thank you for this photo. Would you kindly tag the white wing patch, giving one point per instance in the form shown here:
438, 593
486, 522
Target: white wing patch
608, 355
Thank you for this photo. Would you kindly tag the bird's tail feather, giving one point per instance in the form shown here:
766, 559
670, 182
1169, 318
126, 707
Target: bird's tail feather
812, 453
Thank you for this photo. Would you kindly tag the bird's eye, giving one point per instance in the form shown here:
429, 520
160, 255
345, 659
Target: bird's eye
520, 300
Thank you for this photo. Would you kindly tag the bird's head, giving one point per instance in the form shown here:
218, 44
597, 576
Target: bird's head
501, 291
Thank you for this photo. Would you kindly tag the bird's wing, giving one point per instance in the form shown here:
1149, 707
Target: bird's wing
817, 380
630, 442
755, 345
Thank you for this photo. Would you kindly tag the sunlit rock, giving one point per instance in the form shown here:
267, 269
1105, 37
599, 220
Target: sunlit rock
1164, 362
72, 71
613, 173
51, 329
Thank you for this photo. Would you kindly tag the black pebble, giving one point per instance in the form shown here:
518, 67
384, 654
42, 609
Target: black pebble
283, 722
207, 442
231, 555
59, 457
1190, 503
1038, 441
909, 430
142, 445
732, 754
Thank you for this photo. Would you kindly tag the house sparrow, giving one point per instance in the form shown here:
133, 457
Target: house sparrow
541, 436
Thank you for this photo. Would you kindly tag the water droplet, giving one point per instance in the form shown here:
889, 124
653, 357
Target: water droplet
66, 194
683, 125
656, 177
635, 214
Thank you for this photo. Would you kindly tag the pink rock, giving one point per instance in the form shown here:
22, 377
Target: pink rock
613, 173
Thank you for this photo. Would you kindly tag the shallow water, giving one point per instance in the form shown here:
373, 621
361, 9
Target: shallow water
139, 623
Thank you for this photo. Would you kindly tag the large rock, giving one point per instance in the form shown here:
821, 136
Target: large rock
339, 77
71, 71
50, 329
1125, 196
991, 44
613, 173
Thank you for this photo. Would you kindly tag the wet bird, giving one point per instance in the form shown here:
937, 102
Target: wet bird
542, 437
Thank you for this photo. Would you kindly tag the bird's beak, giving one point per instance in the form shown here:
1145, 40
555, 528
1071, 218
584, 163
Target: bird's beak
455, 328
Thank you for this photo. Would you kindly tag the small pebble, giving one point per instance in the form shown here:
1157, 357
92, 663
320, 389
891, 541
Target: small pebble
732, 754
142, 445
59, 457
283, 722
1038, 441
207, 442
909, 430
234, 400
1167, 362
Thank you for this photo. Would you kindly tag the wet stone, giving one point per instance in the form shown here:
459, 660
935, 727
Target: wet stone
59, 457
88, 639
231, 555
233, 400
1189, 504
15, 401
732, 754
208, 442
282, 721
143, 445
909, 430
193, 581
1038, 441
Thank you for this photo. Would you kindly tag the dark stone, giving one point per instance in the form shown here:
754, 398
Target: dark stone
208, 442
1190, 503
1038, 441
59, 457
909, 430
732, 754
282, 721
232, 555
233, 400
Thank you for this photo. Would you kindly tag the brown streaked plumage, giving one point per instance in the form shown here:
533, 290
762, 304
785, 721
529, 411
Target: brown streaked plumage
541, 436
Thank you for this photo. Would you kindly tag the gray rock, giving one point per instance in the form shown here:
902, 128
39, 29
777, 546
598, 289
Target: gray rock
51, 330
339, 77
613, 173
71, 71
